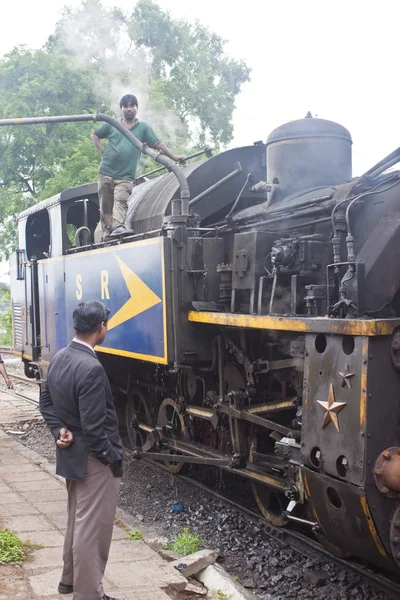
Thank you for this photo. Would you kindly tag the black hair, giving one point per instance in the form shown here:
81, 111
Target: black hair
128, 98
88, 316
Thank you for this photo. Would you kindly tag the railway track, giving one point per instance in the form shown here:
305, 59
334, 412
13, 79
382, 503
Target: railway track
22, 379
6, 350
25, 381
300, 543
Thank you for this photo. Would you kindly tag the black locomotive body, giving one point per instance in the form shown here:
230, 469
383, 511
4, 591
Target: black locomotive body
270, 345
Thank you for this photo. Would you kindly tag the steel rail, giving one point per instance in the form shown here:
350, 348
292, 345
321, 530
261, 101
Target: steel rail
27, 398
23, 379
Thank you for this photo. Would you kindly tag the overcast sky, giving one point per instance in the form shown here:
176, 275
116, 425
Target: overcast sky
337, 59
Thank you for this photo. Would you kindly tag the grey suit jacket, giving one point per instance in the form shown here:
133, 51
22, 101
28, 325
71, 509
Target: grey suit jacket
77, 396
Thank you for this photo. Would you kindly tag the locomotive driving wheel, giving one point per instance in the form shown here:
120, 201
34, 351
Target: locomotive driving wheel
173, 425
137, 417
270, 502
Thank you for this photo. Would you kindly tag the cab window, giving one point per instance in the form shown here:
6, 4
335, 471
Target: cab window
81, 214
38, 235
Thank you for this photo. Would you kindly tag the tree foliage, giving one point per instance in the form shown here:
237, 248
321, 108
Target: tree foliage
39, 83
185, 84
34, 83
201, 82
149, 46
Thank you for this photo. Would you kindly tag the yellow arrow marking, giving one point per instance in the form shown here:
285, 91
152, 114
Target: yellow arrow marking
142, 297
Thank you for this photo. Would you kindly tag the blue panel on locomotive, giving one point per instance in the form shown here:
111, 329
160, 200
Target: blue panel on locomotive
130, 282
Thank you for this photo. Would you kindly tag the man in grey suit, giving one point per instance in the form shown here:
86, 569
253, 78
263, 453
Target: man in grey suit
77, 405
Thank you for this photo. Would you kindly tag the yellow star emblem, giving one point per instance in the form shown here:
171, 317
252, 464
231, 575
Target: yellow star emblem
331, 409
141, 297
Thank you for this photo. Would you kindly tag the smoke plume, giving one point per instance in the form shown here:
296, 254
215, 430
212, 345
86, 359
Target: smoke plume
98, 42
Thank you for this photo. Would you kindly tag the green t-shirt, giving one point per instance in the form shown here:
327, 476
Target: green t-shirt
120, 158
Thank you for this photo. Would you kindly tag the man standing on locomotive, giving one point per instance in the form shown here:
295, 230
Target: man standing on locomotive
77, 405
118, 165
3, 373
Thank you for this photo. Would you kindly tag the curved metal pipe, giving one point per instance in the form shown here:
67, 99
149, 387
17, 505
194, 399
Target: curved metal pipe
57, 119
389, 160
155, 154
372, 192
79, 231
207, 151
235, 204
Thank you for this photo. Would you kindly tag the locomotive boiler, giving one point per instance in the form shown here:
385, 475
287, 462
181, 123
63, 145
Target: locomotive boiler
254, 325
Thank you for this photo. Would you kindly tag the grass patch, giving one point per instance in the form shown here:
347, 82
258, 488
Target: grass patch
221, 596
185, 543
14, 550
133, 534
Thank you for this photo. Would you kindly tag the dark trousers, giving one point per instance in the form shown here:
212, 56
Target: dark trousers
91, 510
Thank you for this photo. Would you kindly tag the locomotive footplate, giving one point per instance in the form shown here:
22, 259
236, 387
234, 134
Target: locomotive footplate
368, 327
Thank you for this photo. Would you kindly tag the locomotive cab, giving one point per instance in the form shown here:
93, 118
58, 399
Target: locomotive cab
48, 230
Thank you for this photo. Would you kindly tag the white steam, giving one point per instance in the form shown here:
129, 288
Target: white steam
98, 42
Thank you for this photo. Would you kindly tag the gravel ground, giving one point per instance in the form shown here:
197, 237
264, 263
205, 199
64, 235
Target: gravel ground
13, 363
269, 567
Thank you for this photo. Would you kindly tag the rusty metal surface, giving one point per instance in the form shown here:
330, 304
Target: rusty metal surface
331, 407
367, 327
344, 517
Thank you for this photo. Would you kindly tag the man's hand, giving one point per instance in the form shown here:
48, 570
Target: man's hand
178, 158
97, 142
65, 438
9, 383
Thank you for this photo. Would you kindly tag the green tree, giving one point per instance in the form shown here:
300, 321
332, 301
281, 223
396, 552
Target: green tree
153, 53
200, 81
36, 83
80, 167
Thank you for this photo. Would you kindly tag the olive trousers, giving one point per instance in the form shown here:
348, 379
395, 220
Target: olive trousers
113, 200
92, 504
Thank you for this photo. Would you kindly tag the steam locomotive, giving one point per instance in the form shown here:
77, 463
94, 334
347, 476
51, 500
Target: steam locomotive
254, 326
